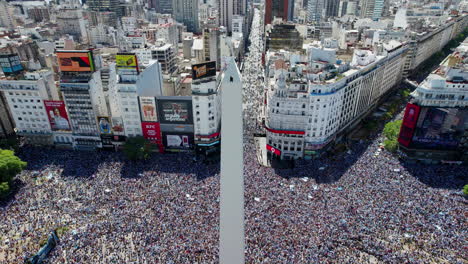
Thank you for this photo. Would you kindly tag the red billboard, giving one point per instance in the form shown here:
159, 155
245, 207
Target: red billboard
409, 123
57, 115
273, 150
411, 115
152, 132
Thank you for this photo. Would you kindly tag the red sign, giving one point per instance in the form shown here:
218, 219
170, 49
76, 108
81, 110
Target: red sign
289, 132
409, 123
152, 132
57, 115
411, 115
273, 150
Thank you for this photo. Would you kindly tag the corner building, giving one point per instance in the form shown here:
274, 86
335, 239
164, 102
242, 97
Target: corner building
313, 98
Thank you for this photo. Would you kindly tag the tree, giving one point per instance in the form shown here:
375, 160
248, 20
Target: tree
391, 132
465, 190
137, 148
392, 129
10, 166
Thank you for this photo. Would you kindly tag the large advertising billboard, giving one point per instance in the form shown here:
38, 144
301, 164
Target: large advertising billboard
10, 63
148, 109
175, 111
409, 123
126, 63
104, 125
58, 117
75, 61
203, 70
439, 128
152, 132
117, 126
173, 140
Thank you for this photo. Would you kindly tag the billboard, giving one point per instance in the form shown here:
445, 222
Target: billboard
117, 126
10, 63
126, 63
152, 132
57, 115
175, 111
177, 140
104, 125
440, 128
203, 70
75, 61
409, 123
148, 109
126, 60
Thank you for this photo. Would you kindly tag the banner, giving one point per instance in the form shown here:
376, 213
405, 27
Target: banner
148, 109
104, 125
273, 150
117, 126
175, 111
203, 70
152, 132
57, 115
75, 61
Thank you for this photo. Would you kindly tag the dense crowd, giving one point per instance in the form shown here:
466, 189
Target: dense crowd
253, 81
359, 206
111, 210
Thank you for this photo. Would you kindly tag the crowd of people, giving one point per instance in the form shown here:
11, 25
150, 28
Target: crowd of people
110, 210
363, 205
253, 81
359, 206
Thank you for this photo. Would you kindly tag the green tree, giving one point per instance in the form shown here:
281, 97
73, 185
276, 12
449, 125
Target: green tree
392, 129
137, 148
465, 190
10, 166
391, 132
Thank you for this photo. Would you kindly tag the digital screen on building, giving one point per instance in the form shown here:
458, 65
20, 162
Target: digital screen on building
203, 70
152, 132
440, 128
148, 109
117, 126
58, 117
75, 61
177, 140
104, 125
175, 111
10, 64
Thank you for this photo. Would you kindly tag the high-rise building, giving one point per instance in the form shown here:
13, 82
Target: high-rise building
161, 6
283, 9
372, 9
226, 11
315, 10
331, 8
186, 12
229, 8
206, 96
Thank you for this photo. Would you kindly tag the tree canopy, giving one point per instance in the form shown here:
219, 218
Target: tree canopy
10, 166
391, 132
137, 148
